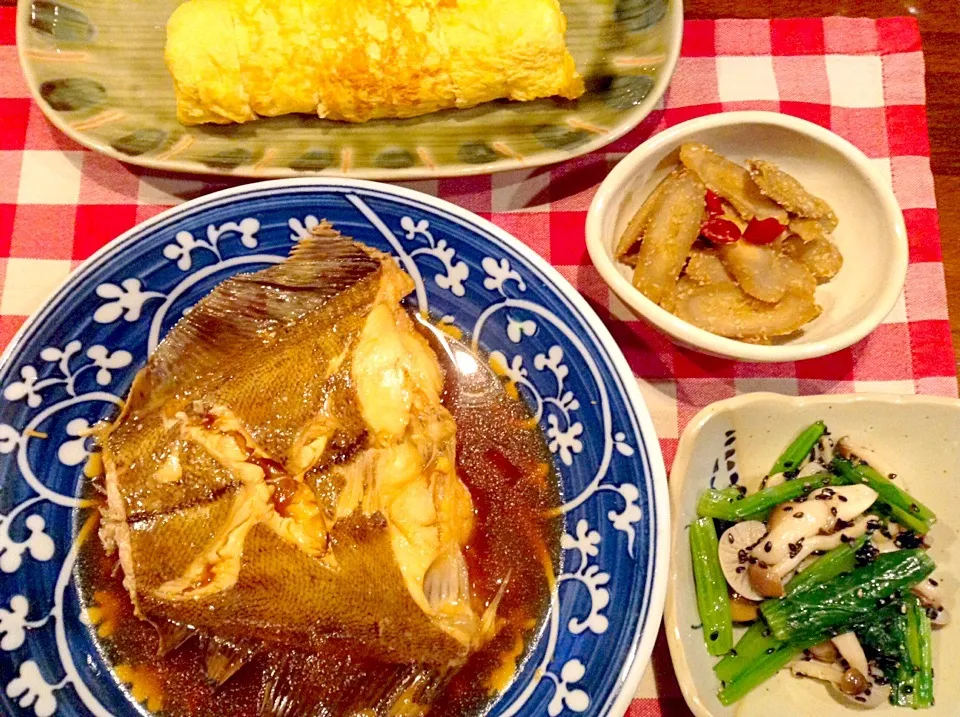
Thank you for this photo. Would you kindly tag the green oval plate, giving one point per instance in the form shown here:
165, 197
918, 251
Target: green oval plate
96, 68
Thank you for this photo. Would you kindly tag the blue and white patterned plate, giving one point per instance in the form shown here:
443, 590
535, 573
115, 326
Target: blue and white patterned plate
76, 357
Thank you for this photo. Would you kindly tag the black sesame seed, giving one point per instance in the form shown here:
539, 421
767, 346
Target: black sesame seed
914, 508
833, 512
788, 508
730, 538
798, 515
858, 698
767, 547
842, 498
729, 453
714, 635
892, 476
771, 650
733, 651
908, 689
741, 568
933, 582
734, 478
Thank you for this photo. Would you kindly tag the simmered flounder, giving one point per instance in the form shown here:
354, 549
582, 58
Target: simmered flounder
283, 467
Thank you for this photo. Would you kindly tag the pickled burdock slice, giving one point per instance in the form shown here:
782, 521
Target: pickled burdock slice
819, 256
731, 182
726, 310
706, 267
786, 191
756, 269
797, 277
669, 237
627, 247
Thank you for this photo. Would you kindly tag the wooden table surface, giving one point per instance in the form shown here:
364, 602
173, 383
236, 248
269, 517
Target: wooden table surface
940, 30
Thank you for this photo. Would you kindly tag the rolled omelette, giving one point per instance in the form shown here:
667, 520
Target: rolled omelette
356, 60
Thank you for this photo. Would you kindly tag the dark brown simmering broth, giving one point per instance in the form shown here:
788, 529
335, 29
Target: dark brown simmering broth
503, 460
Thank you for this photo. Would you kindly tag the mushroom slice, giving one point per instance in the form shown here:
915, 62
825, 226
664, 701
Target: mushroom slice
826, 651
735, 544
819, 255
730, 181
628, 245
743, 610
786, 191
725, 309
930, 592
850, 501
803, 547
756, 268
765, 580
828, 672
669, 236
852, 652
871, 693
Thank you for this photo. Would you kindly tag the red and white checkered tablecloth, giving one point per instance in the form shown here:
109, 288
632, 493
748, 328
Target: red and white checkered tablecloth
863, 79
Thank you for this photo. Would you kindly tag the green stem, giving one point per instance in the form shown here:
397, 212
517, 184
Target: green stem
753, 644
722, 505
842, 559
712, 599
793, 456
913, 682
903, 507
761, 670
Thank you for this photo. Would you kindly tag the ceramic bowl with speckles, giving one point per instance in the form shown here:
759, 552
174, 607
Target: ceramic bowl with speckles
738, 440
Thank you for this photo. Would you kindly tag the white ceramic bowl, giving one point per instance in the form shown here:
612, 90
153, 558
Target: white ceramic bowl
918, 436
871, 234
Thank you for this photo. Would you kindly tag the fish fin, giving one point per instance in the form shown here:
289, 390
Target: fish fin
171, 635
248, 311
226, 657
488, 621
300, 685
447, 580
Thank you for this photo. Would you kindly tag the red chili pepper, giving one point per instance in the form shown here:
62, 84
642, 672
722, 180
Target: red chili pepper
714, 204
720, 231
763, 231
